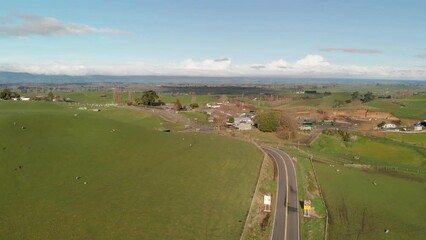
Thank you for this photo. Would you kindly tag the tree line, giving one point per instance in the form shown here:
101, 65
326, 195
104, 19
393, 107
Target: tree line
7, 94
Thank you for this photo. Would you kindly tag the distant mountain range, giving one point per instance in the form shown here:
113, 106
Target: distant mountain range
17, 78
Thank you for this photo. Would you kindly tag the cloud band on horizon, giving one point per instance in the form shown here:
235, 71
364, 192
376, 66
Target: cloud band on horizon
310, 66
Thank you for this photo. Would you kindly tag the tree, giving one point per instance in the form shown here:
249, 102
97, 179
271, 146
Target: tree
287, 126
368, 97
381, 124
148, 98
267, 121
50, 96
231, 119
355, 95
7, 94
177, 106
193, 105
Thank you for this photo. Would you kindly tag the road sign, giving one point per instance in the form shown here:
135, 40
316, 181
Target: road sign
307, 205
307, 208
267, 202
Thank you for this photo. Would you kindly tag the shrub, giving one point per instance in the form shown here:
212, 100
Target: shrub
267, 121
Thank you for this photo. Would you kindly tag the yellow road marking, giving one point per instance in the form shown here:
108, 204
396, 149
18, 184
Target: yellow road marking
286, 198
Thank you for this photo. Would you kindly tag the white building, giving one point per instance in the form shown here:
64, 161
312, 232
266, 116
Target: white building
214, 105
243, 123
238, 120
389, 126
305, 128
242, 126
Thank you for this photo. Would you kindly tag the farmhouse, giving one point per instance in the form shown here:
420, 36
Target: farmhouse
214, 105
421, 123
307, 126
238, 120
25, 98
389, 126
243, 126
243, 123
418, 128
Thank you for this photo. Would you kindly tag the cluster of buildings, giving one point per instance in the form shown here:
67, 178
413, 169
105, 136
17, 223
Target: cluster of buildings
40, 98
419, 126
232, 115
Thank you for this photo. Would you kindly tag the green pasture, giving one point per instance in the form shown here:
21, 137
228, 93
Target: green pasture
413, 138
89, 97
373, 151
413, 107
322, 102
197, 117
107, 97
362, 204
141, 183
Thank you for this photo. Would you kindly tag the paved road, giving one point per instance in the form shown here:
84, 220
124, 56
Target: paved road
286, 224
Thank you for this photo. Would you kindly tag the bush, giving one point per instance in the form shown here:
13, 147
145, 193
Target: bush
231, 120
346, 136
194, 105
267, 121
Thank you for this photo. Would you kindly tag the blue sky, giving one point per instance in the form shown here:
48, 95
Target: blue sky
374, 38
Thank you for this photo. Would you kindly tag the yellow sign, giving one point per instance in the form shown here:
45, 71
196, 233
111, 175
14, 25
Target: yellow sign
307, 205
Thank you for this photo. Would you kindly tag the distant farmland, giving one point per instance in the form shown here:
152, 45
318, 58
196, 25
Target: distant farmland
73, 174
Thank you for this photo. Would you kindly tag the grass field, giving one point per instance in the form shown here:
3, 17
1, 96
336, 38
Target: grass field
362, 204
197, 117
414, 138
89, 97
141, 183
106, 97
372, 151
323, 102
414, 107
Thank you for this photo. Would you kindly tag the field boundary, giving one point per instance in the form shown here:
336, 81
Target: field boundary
320, 192
256, 192
322, 200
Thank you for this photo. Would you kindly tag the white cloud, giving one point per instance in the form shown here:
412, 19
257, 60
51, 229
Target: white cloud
310, 66
207, 64
312, 61
278, 64
30, 24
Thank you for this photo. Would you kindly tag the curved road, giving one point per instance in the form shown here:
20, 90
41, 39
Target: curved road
286, 223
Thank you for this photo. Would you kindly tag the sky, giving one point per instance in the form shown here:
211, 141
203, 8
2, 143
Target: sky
327, 38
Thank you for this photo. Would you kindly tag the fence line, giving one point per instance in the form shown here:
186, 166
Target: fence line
322, 200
